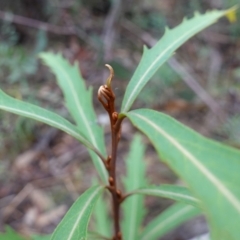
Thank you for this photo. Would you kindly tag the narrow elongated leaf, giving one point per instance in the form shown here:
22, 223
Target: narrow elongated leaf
75, 222
79, 103
133, 208
102, 224
176, 193
25, 109
169, 219
172, 39
211, 170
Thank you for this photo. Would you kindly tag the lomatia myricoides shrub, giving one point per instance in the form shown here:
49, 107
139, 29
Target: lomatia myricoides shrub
209, 169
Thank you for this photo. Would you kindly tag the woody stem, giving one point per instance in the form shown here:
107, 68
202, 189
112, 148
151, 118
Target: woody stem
116, 197
107, 98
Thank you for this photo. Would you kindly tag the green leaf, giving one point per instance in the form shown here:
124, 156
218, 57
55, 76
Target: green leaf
133, 208
10, 234
74, 224
176, 193
96, 236
103, 224
168, 220
153, 58
25, 109
79, 103
211, 170
41, 237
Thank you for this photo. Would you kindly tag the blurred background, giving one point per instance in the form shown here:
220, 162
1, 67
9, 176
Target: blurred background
42, 170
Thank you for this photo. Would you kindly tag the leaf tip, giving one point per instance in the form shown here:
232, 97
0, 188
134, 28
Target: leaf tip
231, 14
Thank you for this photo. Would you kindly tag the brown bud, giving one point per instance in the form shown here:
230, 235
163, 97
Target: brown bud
114, 116
119, 194
111, 181
119, 235
109, 159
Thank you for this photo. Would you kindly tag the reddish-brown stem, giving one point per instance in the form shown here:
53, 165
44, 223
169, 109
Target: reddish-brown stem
107, 98
112, 173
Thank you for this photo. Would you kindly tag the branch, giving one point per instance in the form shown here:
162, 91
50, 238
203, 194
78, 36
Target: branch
109, 30
106, 97
29, 22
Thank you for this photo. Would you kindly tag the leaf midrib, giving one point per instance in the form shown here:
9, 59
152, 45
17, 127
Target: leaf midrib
83, 211
126, 108
37, 117
91, 135
166, 193
212, 178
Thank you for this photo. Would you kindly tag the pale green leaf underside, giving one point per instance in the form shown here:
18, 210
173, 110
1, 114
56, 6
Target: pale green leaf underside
25, 109
211, 170
153, 58
168, 220
133, 208
79, 103
75, 223
176, 193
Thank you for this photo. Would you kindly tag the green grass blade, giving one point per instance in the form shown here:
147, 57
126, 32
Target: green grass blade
25, 109
153, 58
176, 193
211, 170
169, 219
133, 207
75, 223
79, 103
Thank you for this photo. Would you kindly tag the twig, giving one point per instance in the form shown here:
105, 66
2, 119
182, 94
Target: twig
109, 30
189, 79
17, 200
29, 22
107, 98
10, 17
